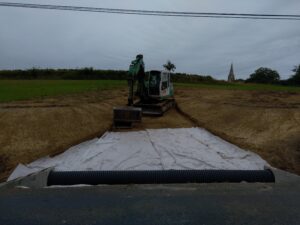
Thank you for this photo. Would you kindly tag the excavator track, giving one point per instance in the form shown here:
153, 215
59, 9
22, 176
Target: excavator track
157, 108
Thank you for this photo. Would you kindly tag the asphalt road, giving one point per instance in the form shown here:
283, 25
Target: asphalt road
242, 203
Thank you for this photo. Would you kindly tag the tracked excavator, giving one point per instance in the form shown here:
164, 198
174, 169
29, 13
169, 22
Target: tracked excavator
149, 93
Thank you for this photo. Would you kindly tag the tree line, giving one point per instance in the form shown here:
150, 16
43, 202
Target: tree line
269, 76
89, 74
261, 75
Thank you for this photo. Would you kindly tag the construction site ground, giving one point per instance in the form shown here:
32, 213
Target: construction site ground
265, 122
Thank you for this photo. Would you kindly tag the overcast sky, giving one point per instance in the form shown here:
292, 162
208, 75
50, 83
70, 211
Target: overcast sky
65, 39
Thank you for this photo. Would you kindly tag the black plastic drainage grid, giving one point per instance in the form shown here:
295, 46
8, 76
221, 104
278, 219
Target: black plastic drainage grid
159, 177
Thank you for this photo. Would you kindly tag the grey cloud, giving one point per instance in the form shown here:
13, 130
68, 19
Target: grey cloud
61, 39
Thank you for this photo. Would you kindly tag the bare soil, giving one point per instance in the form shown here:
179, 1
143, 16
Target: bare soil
267, 123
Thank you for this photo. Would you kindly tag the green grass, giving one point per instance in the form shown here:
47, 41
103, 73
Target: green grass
239, 86
11, 90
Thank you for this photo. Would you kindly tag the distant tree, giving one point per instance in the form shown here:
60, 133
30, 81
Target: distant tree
295, 79
33, 73
87, 70
264, 75
240, 80
169, 66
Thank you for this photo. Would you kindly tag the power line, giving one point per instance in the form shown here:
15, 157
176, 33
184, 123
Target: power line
156, 13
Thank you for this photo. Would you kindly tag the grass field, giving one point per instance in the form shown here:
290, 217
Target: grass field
11, 90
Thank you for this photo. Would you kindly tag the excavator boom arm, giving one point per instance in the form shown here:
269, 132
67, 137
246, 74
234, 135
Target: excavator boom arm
136, 72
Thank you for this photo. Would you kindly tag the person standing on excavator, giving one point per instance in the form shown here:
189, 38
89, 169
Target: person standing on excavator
136, 72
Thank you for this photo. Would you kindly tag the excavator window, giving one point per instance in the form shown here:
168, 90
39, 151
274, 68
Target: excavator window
164, 79
154, 79
154, 83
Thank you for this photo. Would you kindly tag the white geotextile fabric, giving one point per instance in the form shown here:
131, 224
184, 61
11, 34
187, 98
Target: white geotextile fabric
152, 149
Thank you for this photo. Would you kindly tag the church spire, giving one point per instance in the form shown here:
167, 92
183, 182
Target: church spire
231, 77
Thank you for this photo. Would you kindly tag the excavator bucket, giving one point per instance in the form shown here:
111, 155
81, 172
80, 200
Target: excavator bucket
125, 116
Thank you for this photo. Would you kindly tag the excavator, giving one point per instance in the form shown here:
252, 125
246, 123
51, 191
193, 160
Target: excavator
149, 93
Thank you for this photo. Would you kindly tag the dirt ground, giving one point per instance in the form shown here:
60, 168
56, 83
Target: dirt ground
267, 123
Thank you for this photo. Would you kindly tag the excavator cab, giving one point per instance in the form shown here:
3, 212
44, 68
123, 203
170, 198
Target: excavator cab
159, 84
159, 93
